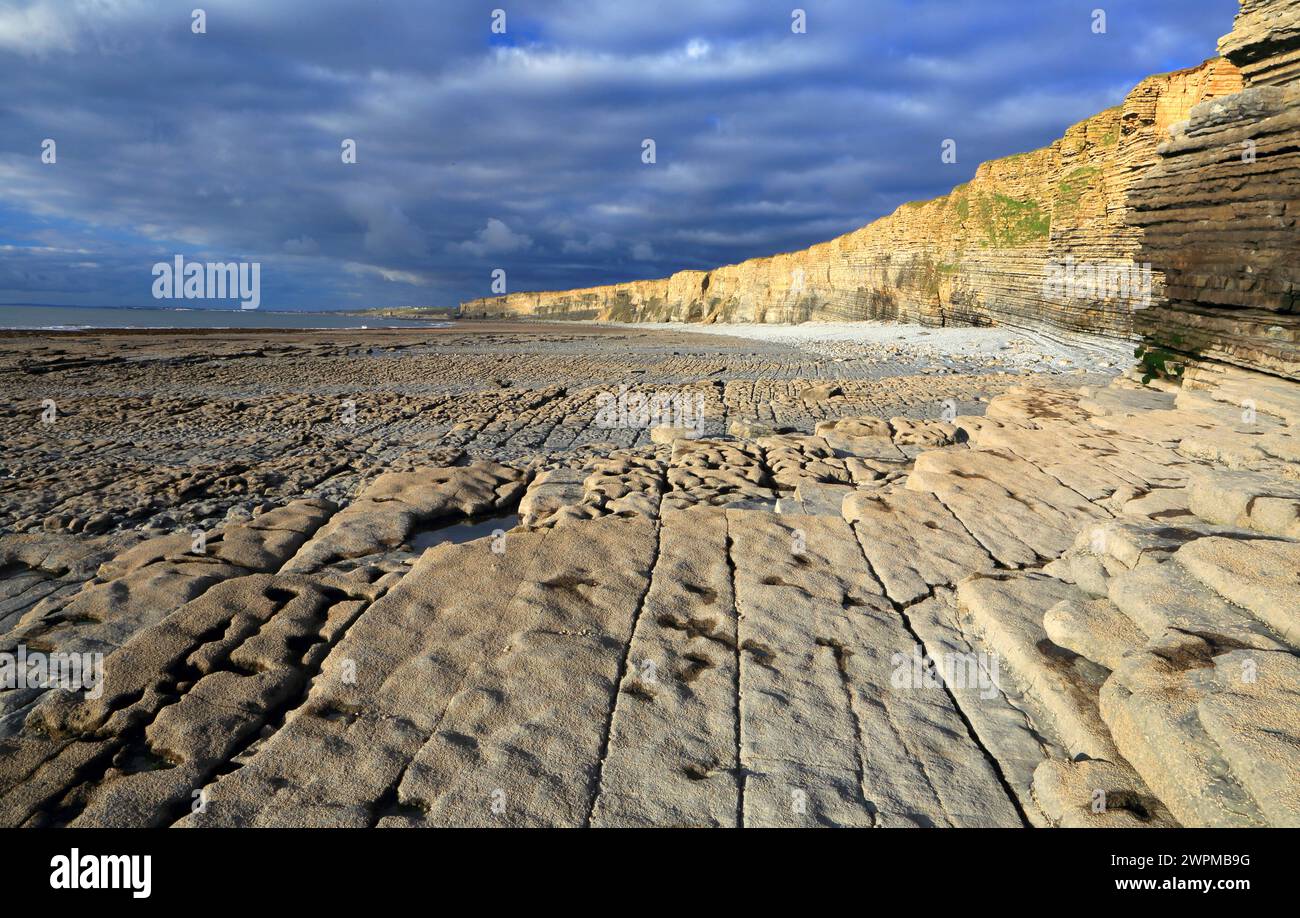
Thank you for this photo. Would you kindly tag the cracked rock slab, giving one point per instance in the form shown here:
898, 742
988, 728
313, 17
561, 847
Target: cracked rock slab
829, 734
1260, 576
912, 541
389, 509
1006, 613
1016, 512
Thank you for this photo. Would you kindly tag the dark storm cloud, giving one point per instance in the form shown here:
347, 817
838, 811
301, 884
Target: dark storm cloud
522, 150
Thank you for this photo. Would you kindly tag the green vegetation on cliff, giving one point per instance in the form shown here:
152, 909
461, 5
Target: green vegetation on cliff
1008, 222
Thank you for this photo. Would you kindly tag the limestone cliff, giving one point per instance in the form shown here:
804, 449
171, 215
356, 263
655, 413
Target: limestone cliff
1195, 178
1265, 42
1219, 211
977, 256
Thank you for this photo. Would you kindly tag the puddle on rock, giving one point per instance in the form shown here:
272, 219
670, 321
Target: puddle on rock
462, 531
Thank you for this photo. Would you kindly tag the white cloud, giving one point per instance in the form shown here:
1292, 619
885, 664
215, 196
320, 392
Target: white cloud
389, 274
494, 239
301, 245
44, 26
389, 230
546, 69
37, 29
597, 242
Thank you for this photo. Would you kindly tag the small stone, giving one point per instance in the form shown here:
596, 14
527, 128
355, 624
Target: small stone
822, 393
666, 434
749, 429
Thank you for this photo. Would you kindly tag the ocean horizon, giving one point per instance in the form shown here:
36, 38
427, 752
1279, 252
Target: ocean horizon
88, 318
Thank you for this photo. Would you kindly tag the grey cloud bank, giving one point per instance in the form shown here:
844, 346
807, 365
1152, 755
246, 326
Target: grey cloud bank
521, 151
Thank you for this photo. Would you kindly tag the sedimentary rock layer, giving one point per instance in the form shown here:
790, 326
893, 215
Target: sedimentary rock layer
1265, 42
1218, 212
1172, 216
976, 256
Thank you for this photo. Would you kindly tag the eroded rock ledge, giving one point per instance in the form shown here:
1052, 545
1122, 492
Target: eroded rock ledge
1076, 609
1219, 211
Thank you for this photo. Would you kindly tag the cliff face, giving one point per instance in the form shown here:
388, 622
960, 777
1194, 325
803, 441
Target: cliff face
977, 256
1265, 42
1218, 213
1059, 238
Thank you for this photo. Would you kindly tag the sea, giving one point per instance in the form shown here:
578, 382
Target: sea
77, 318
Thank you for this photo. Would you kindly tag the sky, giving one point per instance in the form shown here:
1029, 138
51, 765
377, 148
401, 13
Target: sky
520, 150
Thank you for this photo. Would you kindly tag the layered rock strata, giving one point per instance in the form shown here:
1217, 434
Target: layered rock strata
1220, 211
1172, 216
979, 255
1265, 42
